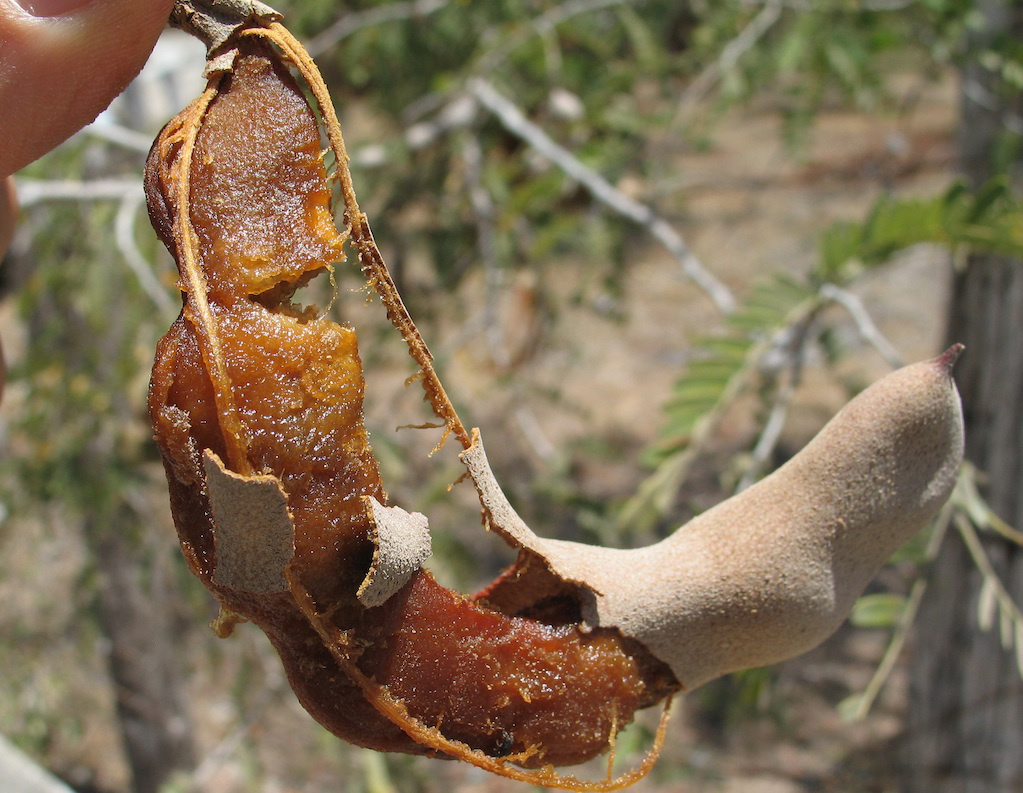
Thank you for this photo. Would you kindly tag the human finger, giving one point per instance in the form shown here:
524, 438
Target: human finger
62, 62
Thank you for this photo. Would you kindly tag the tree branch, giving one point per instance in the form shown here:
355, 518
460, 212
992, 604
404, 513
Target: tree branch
730, 55
486, 244
128, 192
120, 135
19, 772
485, 213
864, 324
34, 191
141, 267
513, 120
542, 25
348, 24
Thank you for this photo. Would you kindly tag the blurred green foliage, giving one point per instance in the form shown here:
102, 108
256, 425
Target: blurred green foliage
79, 435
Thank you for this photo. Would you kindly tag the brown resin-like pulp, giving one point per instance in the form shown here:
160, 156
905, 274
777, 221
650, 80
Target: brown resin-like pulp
275, 389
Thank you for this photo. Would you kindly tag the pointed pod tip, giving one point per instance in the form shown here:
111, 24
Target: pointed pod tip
947, 359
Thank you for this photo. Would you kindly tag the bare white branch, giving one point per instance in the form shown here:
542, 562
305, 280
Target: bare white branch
563, 12
458, 113
733, 51
486, 235
348, 24
505, 45
887, 5
864, 323
983, 97
863, 5
769, 437
141, 267
19, 772
730, 55
119, 135
513, 120
128, 192
541, 26
783, 357
34, 191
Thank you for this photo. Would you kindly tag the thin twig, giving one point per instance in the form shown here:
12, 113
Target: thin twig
865, 701
130, 197
978, 510
658, 490
1010, 616
887, 5
730, 55
864, 324
983, 97
486, 244
769, 437
34, 191
563, 12
513, 120
539, 442
495, 53
124, 234
900, 633
485, 212
458, 113
119, 135
351, 22
790, 343
980, 558
541, 26
864, 5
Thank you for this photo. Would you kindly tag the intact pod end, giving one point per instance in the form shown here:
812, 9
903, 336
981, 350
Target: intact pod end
948, 358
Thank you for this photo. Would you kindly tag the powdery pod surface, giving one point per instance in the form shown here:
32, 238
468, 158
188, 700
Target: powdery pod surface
772, 572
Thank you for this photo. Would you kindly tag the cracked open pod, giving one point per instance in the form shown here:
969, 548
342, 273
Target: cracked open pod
281, 512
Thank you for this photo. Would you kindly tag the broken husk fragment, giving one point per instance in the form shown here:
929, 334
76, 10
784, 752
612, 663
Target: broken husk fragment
402, 545
281, 512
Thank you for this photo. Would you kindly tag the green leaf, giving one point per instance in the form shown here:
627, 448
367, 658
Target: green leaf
850, 708
877, 611
989, 219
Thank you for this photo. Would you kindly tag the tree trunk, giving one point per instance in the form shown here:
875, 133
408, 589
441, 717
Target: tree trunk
150, 692
965, 722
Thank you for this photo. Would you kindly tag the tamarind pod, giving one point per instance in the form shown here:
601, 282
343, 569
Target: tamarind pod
257, 406
772, 572
272, 389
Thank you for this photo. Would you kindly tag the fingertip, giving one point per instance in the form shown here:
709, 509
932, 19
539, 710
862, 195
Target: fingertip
58, 72
51, 8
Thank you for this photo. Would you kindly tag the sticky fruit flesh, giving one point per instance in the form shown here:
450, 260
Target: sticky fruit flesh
275, 389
